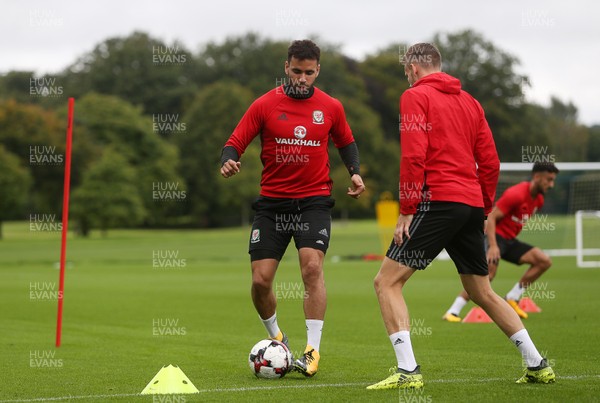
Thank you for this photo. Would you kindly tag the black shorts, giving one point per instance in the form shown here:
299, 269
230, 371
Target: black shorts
307, 220
438, 225
511, 250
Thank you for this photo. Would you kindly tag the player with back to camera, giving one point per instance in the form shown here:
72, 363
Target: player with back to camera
513, 209
450, 154
295, 122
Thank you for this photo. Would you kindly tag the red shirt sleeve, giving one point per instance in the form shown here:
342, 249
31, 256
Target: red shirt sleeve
414, 141
341, 133
248, 128
488, 164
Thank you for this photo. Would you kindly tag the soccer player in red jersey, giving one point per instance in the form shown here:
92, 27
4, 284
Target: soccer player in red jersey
295, 122
449, 154
517, 205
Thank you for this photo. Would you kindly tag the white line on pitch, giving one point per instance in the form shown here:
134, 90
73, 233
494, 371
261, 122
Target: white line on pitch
251, 388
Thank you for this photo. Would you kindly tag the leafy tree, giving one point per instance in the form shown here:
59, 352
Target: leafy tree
380, 160
236, 194
525, 126
385, 81
485, 71
37, 137
594, 144
107, 121
143, 70
16, 85
258, 64
211, 119
566, 137
254, 62
15, 181
108, 196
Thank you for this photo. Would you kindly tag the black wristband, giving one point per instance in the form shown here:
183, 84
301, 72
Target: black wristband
229, 153
350, 158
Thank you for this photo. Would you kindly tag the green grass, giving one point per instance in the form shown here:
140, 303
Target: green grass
113, 294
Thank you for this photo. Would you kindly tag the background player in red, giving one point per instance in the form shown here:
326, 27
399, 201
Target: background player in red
295, 122
517, 205
448, 152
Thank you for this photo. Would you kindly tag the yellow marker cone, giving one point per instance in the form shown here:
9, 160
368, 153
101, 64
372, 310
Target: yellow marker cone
169, 380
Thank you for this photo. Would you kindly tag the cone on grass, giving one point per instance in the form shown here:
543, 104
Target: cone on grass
529, 306
169, 380
477, 315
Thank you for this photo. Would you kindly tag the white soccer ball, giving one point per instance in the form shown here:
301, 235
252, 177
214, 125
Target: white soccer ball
270, 359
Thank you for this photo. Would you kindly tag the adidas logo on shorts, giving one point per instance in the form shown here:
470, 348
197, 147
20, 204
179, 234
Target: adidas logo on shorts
324, 232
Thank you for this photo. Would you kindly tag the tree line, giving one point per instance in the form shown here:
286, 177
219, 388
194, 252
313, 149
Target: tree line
151, 118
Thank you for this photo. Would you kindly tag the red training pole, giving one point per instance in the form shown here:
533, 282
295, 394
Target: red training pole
65, 220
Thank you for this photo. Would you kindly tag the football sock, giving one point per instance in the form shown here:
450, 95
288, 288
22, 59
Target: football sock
271, 326
515, 293
314, 328
403, 349
523, 342
458, 305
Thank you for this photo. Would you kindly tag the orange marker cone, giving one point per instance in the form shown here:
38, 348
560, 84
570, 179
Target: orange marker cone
477, 315
528, 305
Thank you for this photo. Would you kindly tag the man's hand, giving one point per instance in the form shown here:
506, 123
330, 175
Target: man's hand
493, 255
230, 168
402, 228
357, 186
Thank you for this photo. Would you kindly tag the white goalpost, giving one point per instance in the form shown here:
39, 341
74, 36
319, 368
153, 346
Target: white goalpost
580, 251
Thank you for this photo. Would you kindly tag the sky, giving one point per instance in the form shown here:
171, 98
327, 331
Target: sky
557, 43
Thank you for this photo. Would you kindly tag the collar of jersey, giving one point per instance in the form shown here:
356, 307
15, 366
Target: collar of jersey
288, 90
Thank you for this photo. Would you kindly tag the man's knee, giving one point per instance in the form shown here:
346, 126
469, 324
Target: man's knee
312, 271
544, 262
261, 281
479, 291
391, 275
538, 259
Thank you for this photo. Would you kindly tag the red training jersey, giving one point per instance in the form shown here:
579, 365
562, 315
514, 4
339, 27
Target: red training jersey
294, 135
518, 206
448, 152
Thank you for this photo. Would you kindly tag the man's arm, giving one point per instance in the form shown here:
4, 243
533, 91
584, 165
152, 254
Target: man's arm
488, 164
493, 253
415, 141
350, 157
248, 128
229, 161
344, 141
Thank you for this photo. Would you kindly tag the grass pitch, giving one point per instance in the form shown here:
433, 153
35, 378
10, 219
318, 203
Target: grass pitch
138, 300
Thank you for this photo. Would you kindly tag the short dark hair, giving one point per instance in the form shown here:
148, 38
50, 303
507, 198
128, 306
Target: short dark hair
544, 167
423, 54
304, 50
